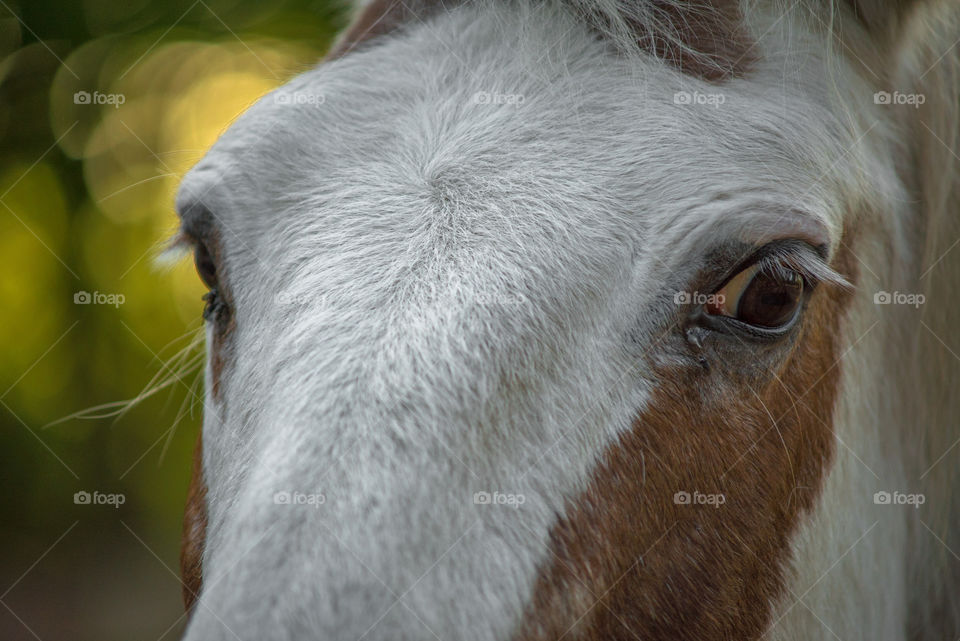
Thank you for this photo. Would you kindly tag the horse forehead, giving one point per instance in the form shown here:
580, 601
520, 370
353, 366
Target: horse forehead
482, 141
434, 194
439, 172
409, 113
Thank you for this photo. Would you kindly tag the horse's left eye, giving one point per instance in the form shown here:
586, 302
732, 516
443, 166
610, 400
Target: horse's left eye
758, 298
206, 267
207, 270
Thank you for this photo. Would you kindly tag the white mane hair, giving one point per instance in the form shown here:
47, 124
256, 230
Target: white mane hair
441, 298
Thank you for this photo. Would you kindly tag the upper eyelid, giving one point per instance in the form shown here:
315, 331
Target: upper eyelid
176, 247
803, 258
197, 222
196, 228
181, 240
787, 253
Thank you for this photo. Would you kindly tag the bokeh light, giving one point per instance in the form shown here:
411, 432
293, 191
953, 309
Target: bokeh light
103, 107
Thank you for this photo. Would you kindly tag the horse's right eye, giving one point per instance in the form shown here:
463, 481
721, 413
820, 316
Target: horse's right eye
760, 299
206, 267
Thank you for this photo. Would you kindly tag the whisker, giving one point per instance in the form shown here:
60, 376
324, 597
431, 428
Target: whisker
186, 407
139, 182
181, 364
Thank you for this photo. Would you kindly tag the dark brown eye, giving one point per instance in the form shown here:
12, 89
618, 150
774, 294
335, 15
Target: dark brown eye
206, 267
760, 299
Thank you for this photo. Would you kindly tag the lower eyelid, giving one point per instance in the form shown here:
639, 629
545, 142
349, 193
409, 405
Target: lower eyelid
731, 326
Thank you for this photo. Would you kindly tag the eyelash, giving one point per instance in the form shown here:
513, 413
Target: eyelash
785, 257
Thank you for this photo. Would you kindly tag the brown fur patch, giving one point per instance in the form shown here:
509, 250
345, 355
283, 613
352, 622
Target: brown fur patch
706, 37
631, 563
194, 531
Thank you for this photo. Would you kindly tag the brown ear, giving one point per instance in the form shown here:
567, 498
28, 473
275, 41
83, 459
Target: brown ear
379, 17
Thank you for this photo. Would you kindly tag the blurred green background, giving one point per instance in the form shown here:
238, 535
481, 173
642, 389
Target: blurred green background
103, 106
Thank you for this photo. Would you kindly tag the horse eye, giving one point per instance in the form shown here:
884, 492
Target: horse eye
206, 267
758, 298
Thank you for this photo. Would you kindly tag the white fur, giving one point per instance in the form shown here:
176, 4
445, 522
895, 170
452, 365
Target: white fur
436, 297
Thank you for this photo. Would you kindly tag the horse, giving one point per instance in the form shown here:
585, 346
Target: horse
585, 319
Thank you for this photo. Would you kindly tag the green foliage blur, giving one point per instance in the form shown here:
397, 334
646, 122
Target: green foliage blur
103, 106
